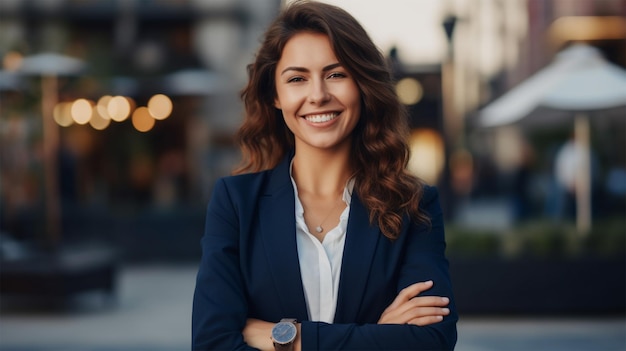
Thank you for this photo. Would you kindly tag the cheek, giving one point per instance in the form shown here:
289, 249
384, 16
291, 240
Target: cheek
352, 95
284, 100
355, 103
277, 100
289, 122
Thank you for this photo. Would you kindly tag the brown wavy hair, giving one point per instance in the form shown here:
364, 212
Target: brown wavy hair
379, 142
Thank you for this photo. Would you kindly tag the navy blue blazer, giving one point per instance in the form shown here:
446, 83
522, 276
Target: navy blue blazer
250, 269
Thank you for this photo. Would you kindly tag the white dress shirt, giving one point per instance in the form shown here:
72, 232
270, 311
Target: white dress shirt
320, 262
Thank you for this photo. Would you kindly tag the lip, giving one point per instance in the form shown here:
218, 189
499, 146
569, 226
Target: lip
322, 118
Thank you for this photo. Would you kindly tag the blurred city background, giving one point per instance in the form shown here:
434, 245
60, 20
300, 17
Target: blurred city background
117, 116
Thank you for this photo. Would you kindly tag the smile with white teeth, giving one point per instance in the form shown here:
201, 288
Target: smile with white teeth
325, 117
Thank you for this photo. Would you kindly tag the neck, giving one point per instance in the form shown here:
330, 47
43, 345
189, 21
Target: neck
321, 173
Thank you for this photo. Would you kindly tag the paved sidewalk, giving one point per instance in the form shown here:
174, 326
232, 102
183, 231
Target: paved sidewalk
153, 312
554, 334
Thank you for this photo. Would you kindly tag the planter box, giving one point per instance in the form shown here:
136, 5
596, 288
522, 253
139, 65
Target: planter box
60, 274
534, 286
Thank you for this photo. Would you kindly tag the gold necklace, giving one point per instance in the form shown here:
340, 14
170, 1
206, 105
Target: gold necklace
319, 228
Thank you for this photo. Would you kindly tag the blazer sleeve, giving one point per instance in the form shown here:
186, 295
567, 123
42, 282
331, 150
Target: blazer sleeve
424, 259
219, 304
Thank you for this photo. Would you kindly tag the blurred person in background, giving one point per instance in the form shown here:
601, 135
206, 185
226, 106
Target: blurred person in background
562, 200
322, 240
521, 195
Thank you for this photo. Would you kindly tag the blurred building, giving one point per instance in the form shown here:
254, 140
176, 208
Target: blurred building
142, 186
145, 187
495, 46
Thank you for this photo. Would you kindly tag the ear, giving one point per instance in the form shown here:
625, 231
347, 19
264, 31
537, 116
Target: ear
277, 103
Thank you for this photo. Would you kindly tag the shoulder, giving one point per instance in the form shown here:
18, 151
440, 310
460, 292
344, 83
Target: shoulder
256, 184
265, 182
242, 184
429, 194
429, 202
235, 194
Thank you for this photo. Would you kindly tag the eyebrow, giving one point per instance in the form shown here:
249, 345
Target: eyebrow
302, 69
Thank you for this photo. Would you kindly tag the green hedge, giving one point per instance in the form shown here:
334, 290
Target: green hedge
541, 239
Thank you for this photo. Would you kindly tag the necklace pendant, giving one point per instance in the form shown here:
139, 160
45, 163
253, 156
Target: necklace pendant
319, 229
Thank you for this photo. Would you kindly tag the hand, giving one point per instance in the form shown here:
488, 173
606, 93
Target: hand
408, 308
258, 333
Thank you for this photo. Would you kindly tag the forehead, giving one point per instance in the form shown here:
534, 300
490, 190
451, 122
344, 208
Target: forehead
307, 48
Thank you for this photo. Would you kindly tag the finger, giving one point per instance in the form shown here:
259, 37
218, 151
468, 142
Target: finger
416, 304
416, 288
423, 321
421, 316
410, 310
430, 316
409, 292
427, 312
420, 312
424, 301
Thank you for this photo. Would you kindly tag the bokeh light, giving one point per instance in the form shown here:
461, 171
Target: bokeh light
427, 155
119, 108
142, 120
81, 111
409, 91
102, 106
62, 114
160, 106
98, 121
12, 61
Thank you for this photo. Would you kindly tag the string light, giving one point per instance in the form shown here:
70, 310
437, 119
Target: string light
62, 115
81, 111
118, 108
160, 106
113, 108
142, 120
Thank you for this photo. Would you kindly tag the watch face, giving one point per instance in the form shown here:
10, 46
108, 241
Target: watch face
284, 332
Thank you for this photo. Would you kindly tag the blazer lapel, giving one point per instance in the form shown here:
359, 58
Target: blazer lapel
278, 229
359, 249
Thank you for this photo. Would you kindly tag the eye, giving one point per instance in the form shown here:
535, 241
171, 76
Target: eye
296, 79
337, 75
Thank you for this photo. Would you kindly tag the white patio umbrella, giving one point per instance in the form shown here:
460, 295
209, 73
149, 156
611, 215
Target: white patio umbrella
578, 81
10, 81
49, 66
194, 82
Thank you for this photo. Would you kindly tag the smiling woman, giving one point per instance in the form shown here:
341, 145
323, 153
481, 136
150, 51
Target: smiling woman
319, 99
323, 232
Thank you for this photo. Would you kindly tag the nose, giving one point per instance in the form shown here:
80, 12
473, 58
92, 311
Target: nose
318, 93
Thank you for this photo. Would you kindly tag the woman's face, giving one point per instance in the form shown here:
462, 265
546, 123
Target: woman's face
319, 99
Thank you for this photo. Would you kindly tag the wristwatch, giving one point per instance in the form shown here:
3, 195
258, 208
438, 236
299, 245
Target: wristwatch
283, 334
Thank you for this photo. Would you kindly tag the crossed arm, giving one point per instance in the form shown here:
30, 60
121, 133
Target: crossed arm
407, 308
